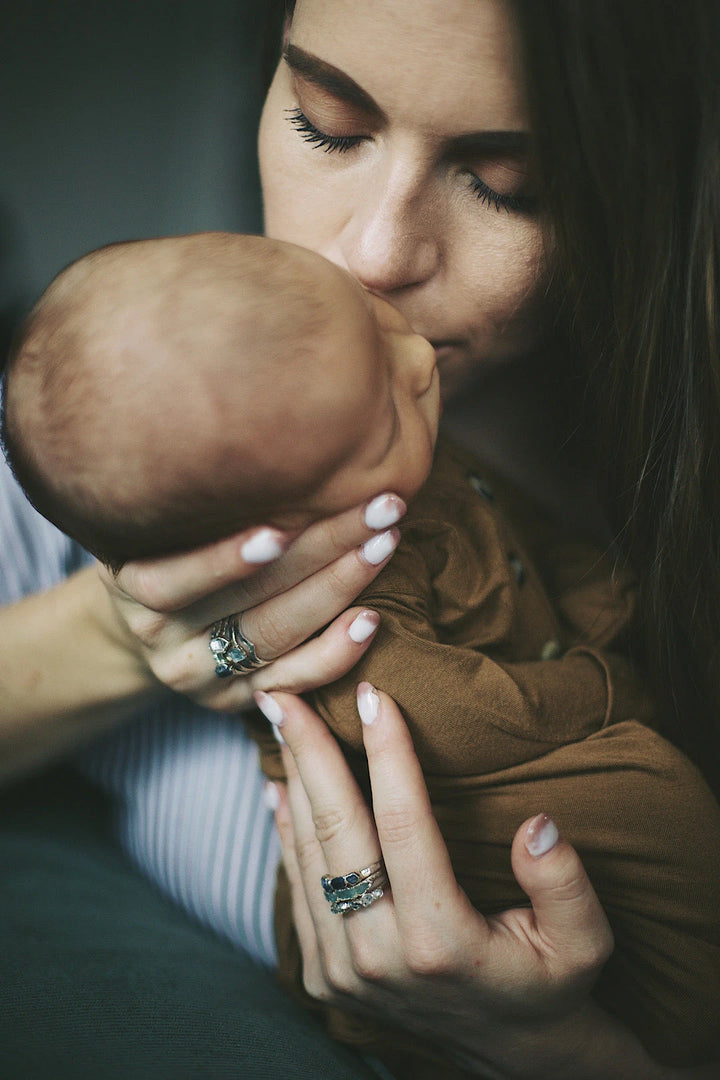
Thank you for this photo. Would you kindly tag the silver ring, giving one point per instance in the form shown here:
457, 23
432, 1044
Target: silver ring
232, 652
355, 890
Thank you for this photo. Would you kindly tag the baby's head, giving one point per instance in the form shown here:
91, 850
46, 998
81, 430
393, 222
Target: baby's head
165, 393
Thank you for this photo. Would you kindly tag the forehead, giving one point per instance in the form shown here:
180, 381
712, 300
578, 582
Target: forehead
452, 66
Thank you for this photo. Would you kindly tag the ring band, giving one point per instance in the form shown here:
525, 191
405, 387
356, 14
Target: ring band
355, 890
234, 654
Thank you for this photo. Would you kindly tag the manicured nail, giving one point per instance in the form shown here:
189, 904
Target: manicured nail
272, 798
269, 707
263, 547
541, 836
277, 735
367, 702
377, 548
363, 625
384, 511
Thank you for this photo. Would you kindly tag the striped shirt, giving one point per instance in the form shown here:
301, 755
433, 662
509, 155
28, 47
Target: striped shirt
185, 781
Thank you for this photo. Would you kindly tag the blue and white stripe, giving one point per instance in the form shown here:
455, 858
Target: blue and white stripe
185, 781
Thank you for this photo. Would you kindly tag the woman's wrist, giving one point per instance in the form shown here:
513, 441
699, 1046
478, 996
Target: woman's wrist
69, 671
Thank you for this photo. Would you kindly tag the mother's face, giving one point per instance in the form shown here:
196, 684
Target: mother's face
393, 142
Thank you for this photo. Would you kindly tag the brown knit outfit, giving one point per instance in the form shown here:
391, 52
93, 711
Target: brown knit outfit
508, 660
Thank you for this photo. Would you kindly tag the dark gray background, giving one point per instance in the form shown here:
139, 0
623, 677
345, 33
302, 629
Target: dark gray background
121, 119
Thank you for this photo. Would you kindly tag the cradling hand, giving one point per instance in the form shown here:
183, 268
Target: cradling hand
280, 590
506, 996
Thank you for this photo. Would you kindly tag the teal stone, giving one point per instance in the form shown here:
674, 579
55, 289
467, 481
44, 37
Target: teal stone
350, 894
481, 486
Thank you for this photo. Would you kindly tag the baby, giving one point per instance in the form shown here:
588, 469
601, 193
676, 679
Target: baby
166, 393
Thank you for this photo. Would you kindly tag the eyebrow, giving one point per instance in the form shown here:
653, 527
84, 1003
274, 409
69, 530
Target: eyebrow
340, 85
331, 79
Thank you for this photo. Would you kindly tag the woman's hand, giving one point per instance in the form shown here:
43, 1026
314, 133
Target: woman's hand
284, 588
506, 996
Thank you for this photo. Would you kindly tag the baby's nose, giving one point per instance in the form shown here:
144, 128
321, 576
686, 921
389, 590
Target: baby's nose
423, 361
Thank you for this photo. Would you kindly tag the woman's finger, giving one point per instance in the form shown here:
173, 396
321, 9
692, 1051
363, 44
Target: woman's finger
322, 659
302, 919
406, 826
307, 864
322, 544
279, 625
189, 667
328, 807
316, 663
173, 582
569, 919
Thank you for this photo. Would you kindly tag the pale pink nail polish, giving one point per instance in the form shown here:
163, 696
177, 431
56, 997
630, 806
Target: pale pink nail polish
270, 708
541, 836
263, 547
362, 626
368, 703
384, 511
272, 799
377, 549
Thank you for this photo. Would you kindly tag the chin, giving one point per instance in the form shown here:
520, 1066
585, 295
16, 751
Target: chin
462, 373
454, 379
457, 368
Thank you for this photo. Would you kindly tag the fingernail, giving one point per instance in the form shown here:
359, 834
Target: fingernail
363, 625
384, 511
263, 547
367, 702
272, 798
541, 836
377, 548
270, 708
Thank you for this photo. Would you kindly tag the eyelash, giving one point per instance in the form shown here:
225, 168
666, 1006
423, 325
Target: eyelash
310, 134
522, 204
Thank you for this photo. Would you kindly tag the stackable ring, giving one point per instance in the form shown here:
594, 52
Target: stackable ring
233, 653
355, 890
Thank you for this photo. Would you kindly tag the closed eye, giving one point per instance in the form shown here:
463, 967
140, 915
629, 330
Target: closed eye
521, 204
320, 139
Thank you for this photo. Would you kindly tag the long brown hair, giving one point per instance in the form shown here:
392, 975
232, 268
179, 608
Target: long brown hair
625, 110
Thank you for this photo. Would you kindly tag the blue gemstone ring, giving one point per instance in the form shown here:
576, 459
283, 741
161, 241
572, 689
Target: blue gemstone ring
232, 652
355, 890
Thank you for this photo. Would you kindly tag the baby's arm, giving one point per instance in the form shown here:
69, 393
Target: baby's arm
470, 713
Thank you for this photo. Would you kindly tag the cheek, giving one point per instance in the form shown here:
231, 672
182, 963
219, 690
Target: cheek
502, 278
304, 200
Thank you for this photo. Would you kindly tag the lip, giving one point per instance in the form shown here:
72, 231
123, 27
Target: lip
444, 350
439, 346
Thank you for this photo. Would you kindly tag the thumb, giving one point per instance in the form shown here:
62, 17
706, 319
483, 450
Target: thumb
569, 919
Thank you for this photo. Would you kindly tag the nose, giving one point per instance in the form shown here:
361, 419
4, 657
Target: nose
389, 243
420, 362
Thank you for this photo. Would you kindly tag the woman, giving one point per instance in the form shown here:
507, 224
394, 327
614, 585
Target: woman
395, 141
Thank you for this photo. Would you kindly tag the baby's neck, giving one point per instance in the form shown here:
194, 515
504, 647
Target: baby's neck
509, 423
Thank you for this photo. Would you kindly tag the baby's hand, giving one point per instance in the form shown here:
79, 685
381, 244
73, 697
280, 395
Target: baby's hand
281, 589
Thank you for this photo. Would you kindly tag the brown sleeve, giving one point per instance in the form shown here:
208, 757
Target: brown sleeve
469, 713
648, 831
